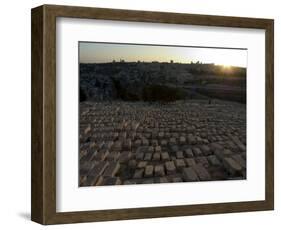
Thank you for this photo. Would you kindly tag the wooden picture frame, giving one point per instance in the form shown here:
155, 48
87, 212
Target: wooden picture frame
43, 208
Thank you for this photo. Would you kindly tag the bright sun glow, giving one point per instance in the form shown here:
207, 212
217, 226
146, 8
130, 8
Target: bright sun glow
226, 66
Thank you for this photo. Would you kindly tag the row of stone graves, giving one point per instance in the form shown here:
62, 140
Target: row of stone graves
143, 143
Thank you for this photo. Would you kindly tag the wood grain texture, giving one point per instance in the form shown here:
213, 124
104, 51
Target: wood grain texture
269, 116
44, 114
37, 204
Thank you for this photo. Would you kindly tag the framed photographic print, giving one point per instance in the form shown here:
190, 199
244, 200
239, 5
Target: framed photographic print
140, 114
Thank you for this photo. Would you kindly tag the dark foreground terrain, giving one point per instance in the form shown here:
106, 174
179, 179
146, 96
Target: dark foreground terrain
149, 142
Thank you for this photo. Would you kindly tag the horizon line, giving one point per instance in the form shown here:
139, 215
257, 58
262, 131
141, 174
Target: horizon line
155, 62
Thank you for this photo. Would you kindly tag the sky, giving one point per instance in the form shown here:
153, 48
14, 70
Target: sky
91, 52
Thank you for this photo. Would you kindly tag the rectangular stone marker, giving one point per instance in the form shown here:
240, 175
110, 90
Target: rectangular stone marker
154, 134
240, 145
87, 129
150, 149
137, 142
117, 146
203, 160
205, 149
233, 167
85, 168
159, 170
139, 156
189, 175
123, 135
156, 157
190, 161
232, 145
148, 172
199, 140
127, 144
138, 173
163, 142
174, 148
145, 142
109, 144
165, 156
172, 141
179, 154
101, 155
147, 135
142, 164
132, 164
91, 180
135, 126
214, 160
82, 153
158, 148
182, 140
222, 153
100, 145
113, 156
239, 159
154, 143
188, 153
227, 152
215, 146
205, 141
98, 168
141, 149
124, 157
197, 152
170, 167
111, 169
167, 134
191, 139
115, 135
147, 156
202, 172
180, 163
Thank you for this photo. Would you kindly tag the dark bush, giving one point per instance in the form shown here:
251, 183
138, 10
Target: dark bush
82, 95
126, 93
147, 92
162, 93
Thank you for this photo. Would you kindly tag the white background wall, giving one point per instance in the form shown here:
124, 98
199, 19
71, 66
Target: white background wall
15, 113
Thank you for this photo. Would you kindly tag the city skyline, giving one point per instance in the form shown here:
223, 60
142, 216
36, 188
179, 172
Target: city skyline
92, 52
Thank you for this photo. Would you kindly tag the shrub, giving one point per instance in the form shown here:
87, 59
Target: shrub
82, 95
162, 93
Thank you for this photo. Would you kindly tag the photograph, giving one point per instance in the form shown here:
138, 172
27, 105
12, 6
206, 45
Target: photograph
141, 114
161, 114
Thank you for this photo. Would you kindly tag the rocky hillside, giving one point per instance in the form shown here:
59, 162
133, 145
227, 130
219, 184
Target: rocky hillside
137, 81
